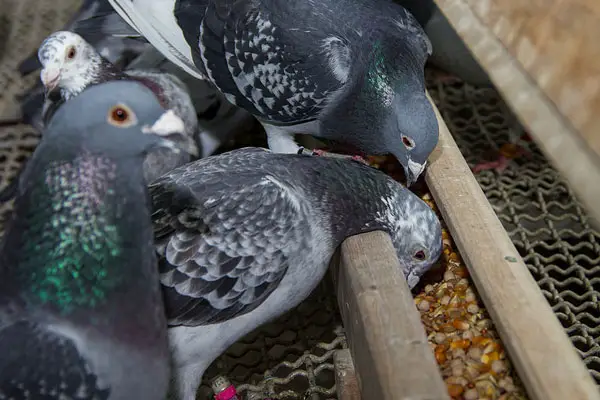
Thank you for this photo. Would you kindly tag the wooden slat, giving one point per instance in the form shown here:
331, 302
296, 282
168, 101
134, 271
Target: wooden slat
392, 357
542, 353
544, 57
346, 382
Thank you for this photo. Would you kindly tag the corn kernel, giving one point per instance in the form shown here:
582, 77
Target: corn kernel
440, 348
461, 272
472, 308
455, 390
460, 344
454, 257
448, 275
475, 353
439, 337
423, 305
440, 358
460, 324
498, 366
471, 394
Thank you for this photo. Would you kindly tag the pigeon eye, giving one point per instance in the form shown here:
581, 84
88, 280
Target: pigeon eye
121, 116
71, 53
419, 255
408, 142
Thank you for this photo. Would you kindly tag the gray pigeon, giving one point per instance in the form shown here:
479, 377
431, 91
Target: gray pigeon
219, 121
351, 71
247, 235
70, 65
81, 312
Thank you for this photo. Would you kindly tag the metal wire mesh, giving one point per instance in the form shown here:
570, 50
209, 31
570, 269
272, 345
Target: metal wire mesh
545, 221
292, 357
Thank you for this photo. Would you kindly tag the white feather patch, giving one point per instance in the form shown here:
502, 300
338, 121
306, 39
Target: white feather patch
156, 22
167, 124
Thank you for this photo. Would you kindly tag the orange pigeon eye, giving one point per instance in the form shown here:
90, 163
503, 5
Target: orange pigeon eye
120, 115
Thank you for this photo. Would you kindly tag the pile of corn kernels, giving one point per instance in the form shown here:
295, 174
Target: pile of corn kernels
467, 348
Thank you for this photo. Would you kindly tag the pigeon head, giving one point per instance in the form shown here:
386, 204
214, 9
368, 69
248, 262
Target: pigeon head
123, 118
384, 109
415, 231
69, 63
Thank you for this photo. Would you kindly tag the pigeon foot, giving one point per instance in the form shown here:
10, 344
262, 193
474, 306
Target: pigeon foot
508, 152
323, 153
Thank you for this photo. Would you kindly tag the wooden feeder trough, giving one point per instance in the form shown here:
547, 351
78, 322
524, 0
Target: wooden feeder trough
389, 355
539, 55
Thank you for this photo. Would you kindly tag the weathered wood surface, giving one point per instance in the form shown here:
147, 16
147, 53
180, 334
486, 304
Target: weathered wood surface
346, 382
540, 350
544, 57
386, 338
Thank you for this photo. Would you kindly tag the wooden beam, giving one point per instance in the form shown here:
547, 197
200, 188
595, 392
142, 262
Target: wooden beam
544, 58
537, 344
392, 357
346, 382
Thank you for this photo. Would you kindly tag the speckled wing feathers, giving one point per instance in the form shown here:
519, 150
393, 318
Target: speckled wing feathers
262, 67
44, 365
225, 252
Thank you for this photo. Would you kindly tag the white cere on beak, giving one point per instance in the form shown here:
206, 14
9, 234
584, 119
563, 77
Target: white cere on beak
166, 125
416, 168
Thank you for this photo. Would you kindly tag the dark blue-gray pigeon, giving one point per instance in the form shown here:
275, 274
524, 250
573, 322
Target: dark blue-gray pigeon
247, 235
81, 311
452, 56
350, 71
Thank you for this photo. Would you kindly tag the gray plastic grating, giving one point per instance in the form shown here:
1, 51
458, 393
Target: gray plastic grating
292, 358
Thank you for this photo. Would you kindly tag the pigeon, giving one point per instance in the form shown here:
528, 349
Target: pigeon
112, 37
350, 71
246, 235
70, 64
219, 120
81, 312
452, 56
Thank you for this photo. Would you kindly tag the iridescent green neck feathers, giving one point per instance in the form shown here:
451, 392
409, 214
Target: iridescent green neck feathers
71, 242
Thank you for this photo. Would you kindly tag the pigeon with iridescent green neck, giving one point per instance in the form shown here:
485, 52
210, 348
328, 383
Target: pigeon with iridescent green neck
350, 71
81, 311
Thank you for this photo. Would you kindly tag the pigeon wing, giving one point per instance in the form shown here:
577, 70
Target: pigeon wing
224, 239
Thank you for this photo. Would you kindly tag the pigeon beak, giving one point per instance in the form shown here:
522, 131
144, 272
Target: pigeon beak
49, 78
412, 280
412, 171
167, 125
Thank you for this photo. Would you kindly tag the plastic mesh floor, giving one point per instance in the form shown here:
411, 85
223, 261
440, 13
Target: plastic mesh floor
292, 358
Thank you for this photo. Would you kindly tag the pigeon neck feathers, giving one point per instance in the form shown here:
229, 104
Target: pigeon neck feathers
99, 71
81, 229
383, 79
349, 201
